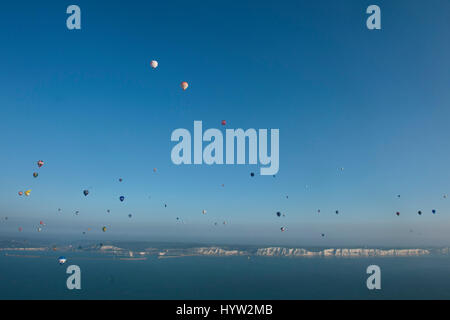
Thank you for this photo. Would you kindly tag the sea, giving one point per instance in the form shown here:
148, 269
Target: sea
40, 276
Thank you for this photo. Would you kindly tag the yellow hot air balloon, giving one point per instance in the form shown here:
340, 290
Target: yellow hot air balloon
27, 193
104, 229
184, 85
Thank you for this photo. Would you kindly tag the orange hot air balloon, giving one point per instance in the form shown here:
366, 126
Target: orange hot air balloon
20, 193
184, 85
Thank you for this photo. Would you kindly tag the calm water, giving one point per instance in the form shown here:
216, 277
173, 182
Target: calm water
223, 278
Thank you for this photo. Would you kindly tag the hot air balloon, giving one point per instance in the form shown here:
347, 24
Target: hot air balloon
204, 211
35, 174
104, 229
154, 169
252, 174
62, 260
283, 229
278, 214
154, 64
129, 216
121, 198
40, 163
433, 211
39, 229
108, 211
184, 85
337, 211
20, 193
397, 213
42, 223
323, 235
419, 212
224, 122
27, 193
20, 229
86, 192
120, 179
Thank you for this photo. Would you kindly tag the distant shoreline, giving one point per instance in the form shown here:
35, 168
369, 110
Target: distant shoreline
224, 251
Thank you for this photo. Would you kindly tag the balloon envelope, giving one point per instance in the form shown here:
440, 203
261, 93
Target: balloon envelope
62, 260
184, 85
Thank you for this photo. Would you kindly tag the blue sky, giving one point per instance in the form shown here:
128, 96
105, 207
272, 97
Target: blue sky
88, 104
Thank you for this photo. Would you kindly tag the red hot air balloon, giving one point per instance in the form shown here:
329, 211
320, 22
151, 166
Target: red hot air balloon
40, 163
224, 122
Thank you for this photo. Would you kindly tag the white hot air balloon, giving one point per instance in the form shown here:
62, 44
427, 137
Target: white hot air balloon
154, 64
